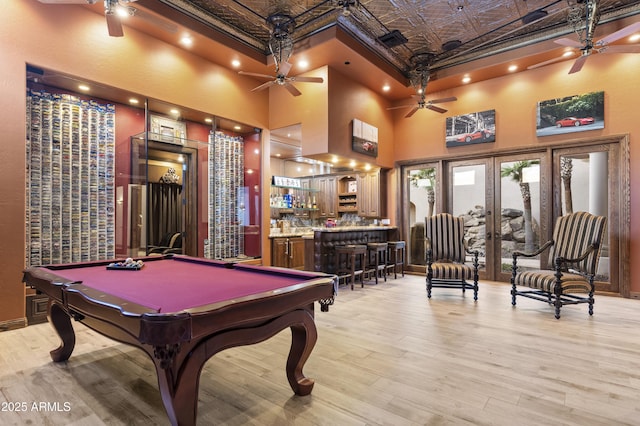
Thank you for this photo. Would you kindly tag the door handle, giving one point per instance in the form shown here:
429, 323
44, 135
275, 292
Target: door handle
488, 235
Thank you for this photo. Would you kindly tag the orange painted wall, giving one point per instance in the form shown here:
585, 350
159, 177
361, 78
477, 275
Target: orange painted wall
349, 100
515, 97
74, 40
311, 109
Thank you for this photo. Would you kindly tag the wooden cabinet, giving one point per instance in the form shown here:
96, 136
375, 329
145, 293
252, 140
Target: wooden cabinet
287, 252
348, 194
371, 195
327, 196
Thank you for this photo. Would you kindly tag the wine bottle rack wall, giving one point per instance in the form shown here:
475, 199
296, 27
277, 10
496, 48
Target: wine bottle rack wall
226, 183
70, 195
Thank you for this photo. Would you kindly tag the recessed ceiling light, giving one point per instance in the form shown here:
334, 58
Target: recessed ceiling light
235, 63
367, 166
277, 155
174, 111
256, 151
512, 68
208, 120
122, 11
386, 87
352, 163
83, 87
236, 127
186, 40
634, 37
466, 79
249, 171
133, 101
303, 64
334, 160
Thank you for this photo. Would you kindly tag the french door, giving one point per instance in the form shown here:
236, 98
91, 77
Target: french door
510, 202
500, 199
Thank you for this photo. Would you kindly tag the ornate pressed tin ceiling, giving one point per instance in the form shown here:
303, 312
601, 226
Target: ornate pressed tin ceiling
443, 32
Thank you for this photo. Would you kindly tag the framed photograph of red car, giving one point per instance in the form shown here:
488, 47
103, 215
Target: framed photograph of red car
577, 113
476, 127
365, 138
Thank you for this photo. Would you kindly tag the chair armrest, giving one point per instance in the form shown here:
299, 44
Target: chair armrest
428, 251
542, 248
560, 261
158, 249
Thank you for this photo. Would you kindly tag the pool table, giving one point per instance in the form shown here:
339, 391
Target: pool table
182, 310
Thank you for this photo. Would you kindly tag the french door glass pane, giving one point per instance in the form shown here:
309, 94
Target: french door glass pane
520, 212
422, 203
585, 182
468, 201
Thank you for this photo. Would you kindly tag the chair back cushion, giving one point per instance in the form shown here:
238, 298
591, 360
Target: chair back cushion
446, 234
572, 235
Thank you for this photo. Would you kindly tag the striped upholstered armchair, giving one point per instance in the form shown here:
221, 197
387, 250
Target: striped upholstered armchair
446, 250
573, 262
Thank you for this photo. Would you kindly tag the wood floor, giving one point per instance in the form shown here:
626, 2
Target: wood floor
386, 355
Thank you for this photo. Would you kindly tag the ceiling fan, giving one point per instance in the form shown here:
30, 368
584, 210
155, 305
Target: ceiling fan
423, 103
115, 10
281, 79
587, 45
281, 47
419, 76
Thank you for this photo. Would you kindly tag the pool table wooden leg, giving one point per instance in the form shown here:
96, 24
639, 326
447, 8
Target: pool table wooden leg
303, 338
61, 322
178, 379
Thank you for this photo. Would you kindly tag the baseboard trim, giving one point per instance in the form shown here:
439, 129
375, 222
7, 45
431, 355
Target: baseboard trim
13, 324
634, 295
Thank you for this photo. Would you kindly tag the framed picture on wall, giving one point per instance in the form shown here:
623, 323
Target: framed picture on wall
577, 113
365, 138
473, 128
168, 130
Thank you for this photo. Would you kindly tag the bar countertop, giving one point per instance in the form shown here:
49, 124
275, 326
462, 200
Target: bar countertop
309, 232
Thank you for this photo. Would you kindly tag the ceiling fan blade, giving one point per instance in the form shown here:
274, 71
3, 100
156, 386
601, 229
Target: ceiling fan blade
568, 42
621, 33
253, 74
400, 107
113, 24
263, 86
548, 62
578, 64
307, 79
284, 68
442, 100
413, 111
291, 88
435, 108
623, 48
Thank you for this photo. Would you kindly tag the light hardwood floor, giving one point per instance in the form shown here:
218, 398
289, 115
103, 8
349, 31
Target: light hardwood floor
386, 355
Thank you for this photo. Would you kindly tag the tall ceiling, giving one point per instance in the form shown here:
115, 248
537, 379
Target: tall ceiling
395, 34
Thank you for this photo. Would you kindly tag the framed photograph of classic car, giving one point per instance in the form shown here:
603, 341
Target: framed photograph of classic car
577, 113
365, 138
467, 129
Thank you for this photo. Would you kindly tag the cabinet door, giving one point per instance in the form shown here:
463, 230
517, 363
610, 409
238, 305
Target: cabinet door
374, 195
327, 196
364, 195
369, 195
280, 252
296, 253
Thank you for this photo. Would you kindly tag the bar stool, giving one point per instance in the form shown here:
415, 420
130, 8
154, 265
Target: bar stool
377, 257
351, 262
395, 256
